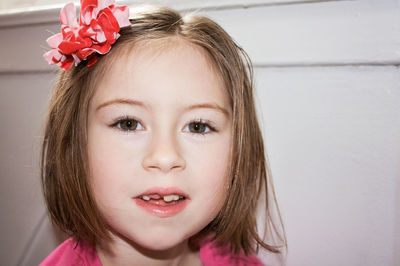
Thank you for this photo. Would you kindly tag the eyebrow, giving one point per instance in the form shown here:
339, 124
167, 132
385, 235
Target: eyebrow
213, 106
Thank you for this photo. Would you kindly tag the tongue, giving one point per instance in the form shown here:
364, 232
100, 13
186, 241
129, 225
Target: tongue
154, 196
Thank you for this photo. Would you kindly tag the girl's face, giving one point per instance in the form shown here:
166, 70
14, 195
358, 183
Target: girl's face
159, 138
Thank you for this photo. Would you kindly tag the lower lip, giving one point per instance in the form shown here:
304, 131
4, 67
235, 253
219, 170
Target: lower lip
162, 211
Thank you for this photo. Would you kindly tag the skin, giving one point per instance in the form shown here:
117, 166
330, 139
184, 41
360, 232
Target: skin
164, 148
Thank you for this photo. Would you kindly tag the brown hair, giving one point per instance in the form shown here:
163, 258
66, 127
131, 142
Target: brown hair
64, 153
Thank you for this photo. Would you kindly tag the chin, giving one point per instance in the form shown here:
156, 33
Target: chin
154, 240
160, 242
159, 245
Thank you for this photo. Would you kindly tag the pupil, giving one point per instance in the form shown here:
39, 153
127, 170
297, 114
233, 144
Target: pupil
197, 126
129, 125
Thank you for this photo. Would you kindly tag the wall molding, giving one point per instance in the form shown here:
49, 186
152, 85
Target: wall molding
50, 13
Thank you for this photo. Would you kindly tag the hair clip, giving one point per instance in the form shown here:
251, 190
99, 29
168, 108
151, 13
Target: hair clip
99, 24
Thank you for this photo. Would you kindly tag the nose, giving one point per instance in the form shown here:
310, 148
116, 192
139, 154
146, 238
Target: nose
163, 154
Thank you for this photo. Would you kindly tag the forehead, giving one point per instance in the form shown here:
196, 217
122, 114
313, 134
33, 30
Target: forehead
162, 72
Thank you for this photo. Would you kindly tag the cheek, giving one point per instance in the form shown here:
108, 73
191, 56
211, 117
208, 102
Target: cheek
110, 169
211, 180
213, 173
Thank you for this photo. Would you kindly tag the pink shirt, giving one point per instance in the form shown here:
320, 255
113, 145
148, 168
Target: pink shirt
71, 253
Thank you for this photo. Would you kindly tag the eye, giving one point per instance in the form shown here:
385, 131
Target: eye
126, 124
200, 127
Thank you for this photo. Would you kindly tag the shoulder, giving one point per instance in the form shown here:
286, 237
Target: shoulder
212, 255
72, 252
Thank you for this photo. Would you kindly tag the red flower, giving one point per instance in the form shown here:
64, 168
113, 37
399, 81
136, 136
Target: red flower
99, 24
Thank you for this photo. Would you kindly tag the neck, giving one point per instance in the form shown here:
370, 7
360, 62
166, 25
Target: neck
124, 252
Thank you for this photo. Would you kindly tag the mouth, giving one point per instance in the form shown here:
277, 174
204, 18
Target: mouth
163, 202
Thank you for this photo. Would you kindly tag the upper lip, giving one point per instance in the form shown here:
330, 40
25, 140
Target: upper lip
164, 192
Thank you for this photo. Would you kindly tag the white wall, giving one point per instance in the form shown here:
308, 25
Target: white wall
328, 92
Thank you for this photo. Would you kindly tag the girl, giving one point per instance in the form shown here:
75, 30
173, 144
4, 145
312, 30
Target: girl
152, 153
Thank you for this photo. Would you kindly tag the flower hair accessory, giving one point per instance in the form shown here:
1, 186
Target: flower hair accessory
99, 24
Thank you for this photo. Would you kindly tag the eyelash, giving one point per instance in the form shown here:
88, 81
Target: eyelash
206, 123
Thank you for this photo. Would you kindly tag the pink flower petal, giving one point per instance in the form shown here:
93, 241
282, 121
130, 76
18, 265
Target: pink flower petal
76, 59
121, 13
88, 11
104, 3
49, 56
55, 40
68, 15
100, 37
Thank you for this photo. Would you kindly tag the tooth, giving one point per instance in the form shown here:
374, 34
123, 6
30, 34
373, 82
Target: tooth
169, 198
146, 197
